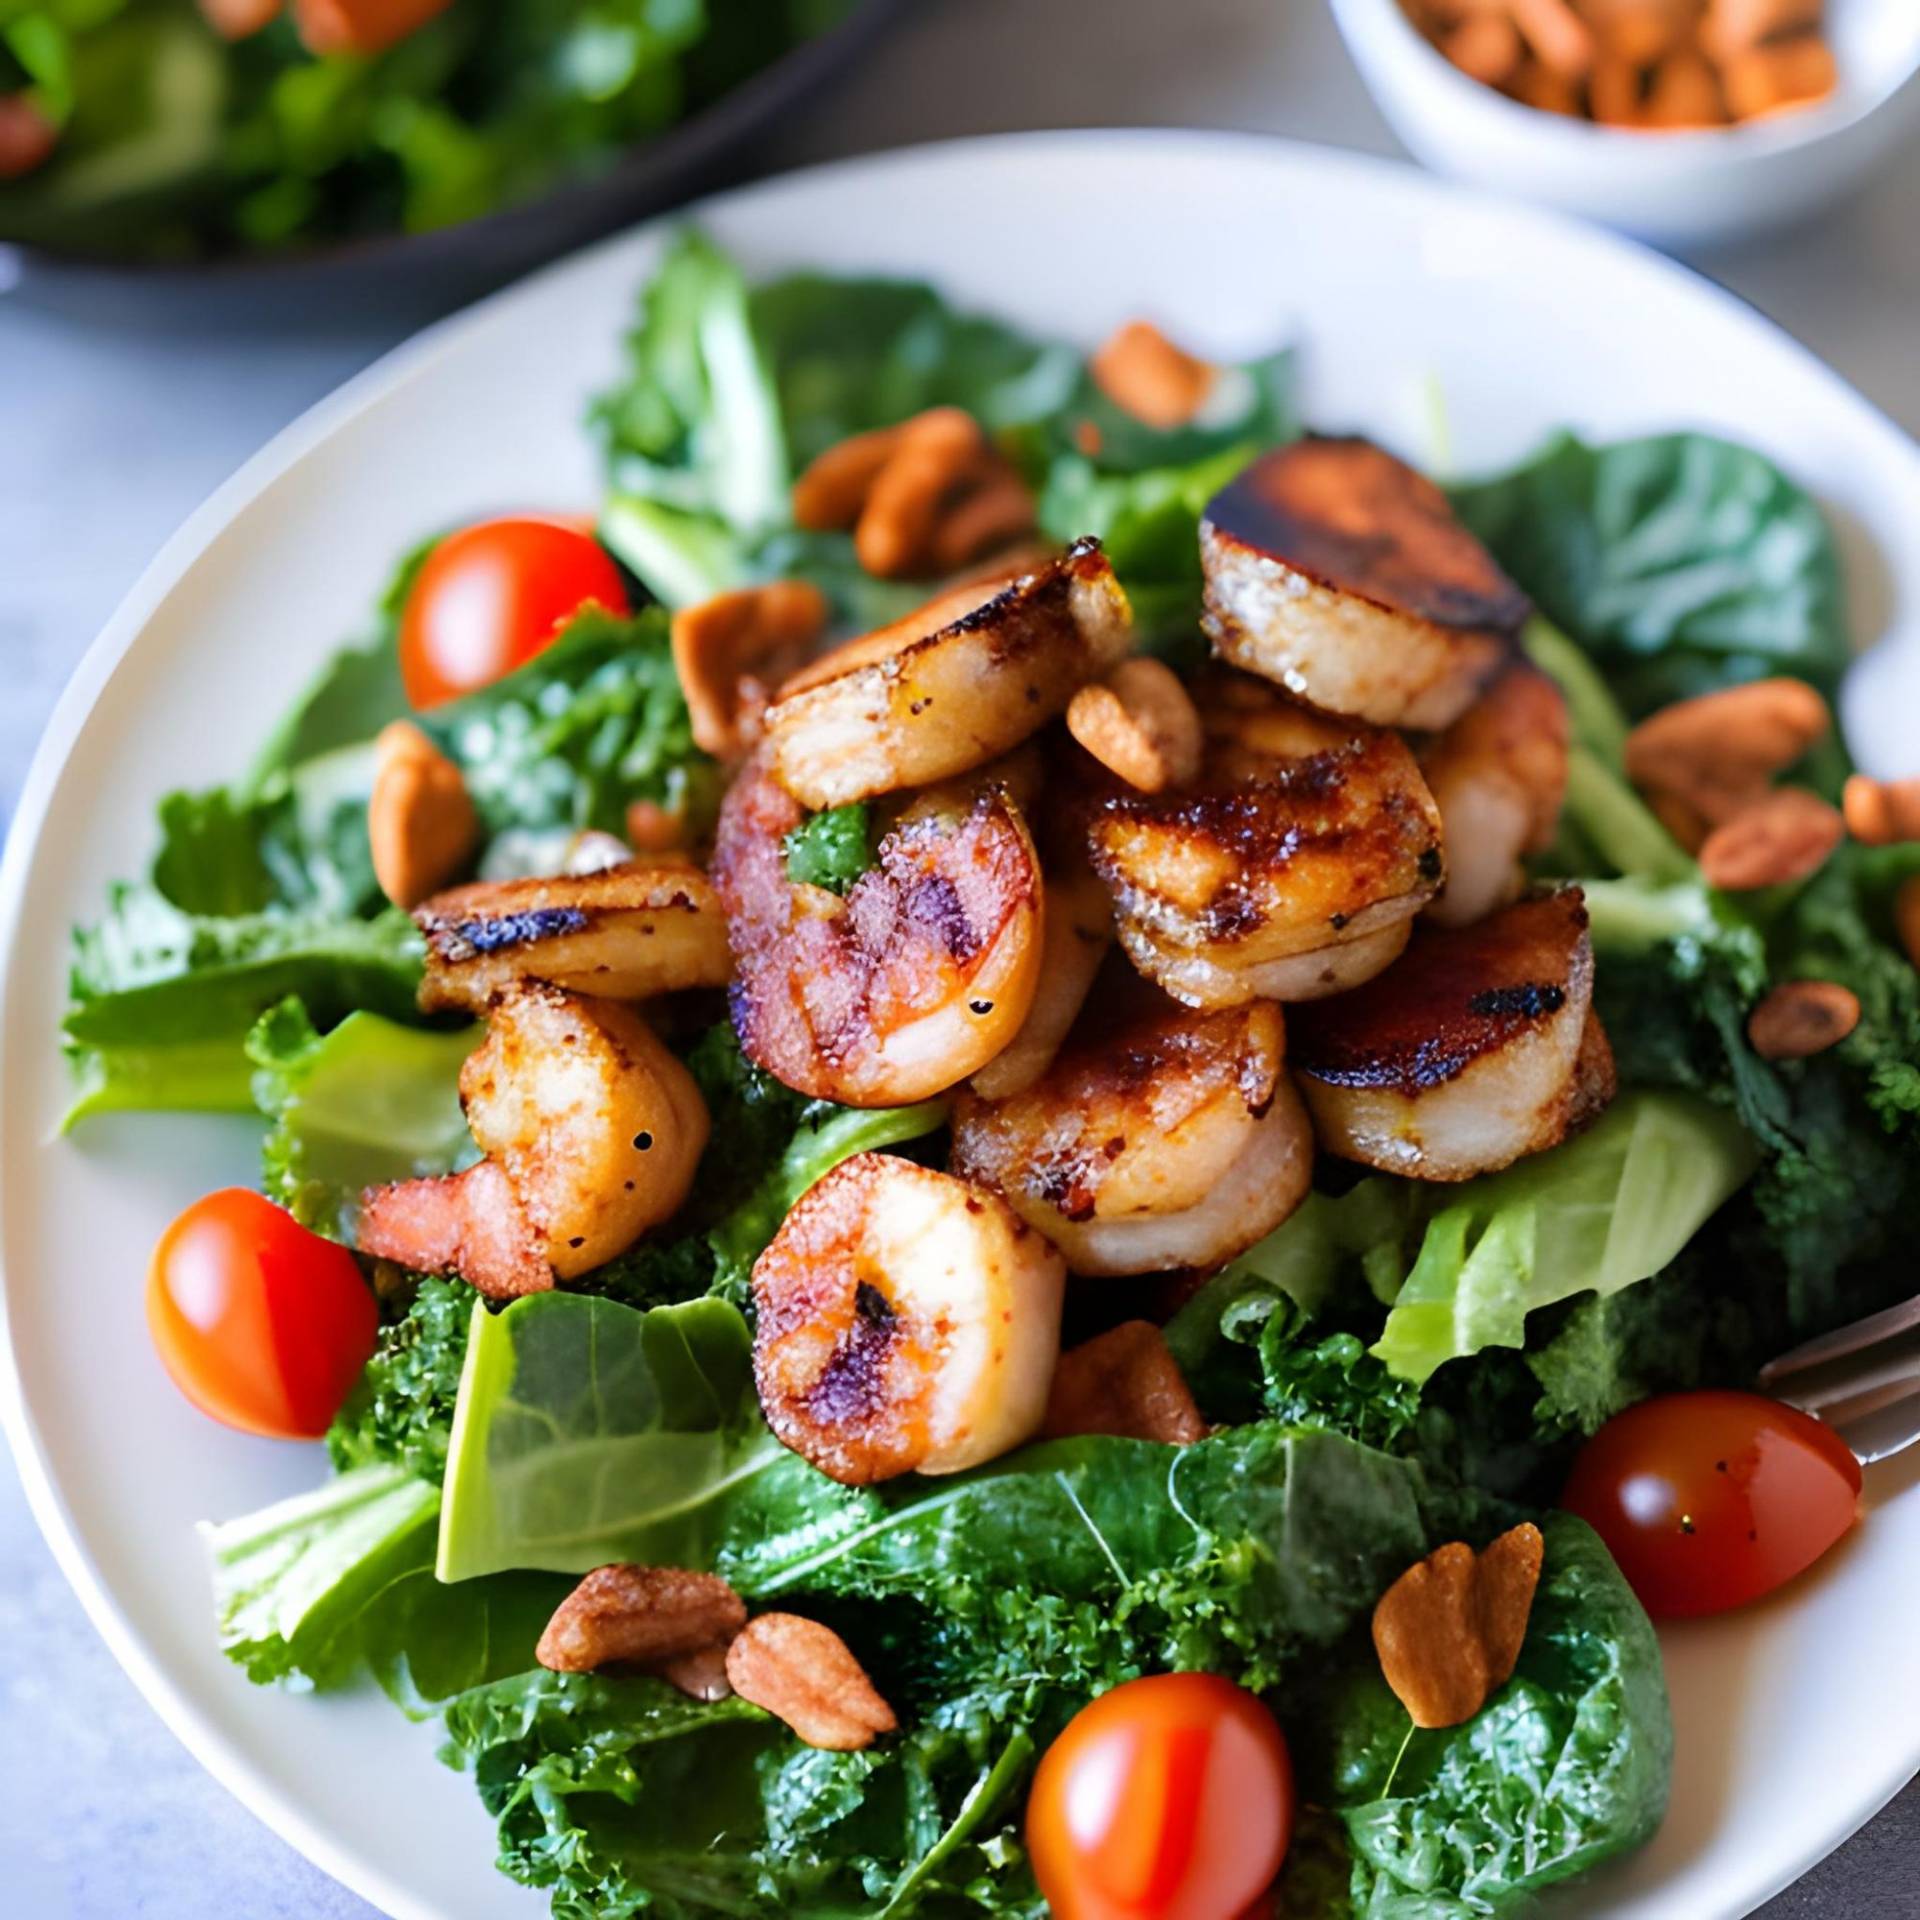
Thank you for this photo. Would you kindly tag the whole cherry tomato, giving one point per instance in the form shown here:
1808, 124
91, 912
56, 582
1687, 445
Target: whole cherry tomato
261, 1323
490, 597
1709, 1500
1170, 1798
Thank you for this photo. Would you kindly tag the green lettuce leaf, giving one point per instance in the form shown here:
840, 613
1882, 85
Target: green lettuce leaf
292, 1582
588, 1431
695, 427
369, 1103
1681, 562
1599, 1213
163, 1001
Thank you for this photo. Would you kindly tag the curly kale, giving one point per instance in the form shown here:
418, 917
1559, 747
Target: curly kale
402, 1411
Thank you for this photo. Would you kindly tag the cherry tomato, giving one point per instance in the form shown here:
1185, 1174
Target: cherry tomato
1169, 1798
491, 596
1709, 1500
261, 1323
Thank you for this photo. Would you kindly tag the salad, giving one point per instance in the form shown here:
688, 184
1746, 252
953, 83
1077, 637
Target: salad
170, 130
1026, 1145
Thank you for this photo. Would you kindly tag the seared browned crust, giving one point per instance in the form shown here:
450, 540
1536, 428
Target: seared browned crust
1347, 514
956, 684
1119, 1084
641, 928
1298, 827
1456, 997
824, 985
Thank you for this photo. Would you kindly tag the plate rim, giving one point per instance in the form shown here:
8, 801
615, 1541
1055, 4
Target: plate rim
282, 1813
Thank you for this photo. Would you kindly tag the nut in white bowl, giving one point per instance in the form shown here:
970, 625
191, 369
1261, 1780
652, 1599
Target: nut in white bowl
1682, 189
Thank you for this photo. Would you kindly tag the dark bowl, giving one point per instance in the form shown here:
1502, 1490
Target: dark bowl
434, 270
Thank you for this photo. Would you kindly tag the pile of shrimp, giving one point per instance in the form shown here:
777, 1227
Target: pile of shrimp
1159, 942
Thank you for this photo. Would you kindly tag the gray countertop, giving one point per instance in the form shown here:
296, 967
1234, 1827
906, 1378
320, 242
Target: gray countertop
110, 433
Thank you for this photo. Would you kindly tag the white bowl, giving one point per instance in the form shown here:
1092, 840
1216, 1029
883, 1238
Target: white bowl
1679, 189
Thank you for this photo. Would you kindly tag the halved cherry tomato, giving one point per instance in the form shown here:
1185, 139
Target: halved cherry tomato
1170, 1798
261, 1323
491, 596
1709, 1500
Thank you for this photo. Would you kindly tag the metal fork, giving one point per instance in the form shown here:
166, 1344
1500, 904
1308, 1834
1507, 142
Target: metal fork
1863, 1381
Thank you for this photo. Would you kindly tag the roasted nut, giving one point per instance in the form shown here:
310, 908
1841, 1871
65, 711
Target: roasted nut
1123, 1382
804, 1674
1802, 1017
700, 1676
1718, 753
751, 633
938, 451
1485, 47
1683, 92
1906, 917
999, 510
1782, 837
1880, 812
1639, 32
421, 822
1561, 41
652, 828
1778, 75
1537, 85
1140, 723
1449, 1630
1731, 27
827, 498
1143, 373
639, 1616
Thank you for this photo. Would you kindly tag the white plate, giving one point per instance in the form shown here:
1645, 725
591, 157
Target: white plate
1796, 1721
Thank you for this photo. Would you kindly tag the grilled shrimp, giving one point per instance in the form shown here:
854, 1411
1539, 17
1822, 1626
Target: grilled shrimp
1164, 1139
1480, 1046
592, 1131
907, 1323
1291, 869
918, 977
964, 680
1498, 776
1077, 933
1341, 573
625, 933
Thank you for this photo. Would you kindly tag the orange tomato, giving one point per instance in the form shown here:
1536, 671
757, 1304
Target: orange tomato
1170, 1798
260, 1323
1709, 1500
490, 597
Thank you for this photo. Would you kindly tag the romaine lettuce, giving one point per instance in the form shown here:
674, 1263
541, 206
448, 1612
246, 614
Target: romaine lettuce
369, 1103
1606, 1209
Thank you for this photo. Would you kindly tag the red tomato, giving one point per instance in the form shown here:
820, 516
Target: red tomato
1709, 1500
491, 596
1169, 1798
261, 1323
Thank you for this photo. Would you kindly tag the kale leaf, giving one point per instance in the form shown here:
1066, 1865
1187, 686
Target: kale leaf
401, 1411
1681, 562
831, 849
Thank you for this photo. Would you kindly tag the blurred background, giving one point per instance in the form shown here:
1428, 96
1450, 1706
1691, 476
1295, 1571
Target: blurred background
127, 397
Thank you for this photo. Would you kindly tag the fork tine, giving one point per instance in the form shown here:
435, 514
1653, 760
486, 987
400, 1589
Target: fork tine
1843, 1341
1830, 1392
